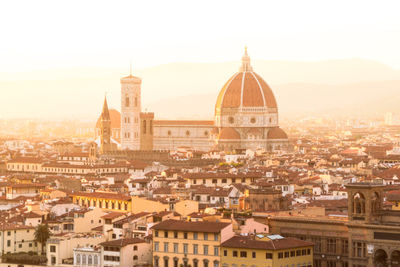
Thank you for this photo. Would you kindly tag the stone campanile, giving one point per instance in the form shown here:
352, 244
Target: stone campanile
105, 126
130, 112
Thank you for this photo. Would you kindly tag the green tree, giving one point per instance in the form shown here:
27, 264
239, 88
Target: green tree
42, 233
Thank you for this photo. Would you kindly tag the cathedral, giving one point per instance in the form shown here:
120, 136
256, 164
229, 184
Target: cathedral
246, 117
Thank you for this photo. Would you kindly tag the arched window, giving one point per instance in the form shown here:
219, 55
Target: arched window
135, 248
78, 258
359, 204
375, 203
135, 257
83, 259
95, 260
187, 133
90, 262
195, 263
231, 120
169, 133
136, 101
126, 101
144, 126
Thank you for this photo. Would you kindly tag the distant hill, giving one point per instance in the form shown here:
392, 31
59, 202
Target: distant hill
189, 89
366, 98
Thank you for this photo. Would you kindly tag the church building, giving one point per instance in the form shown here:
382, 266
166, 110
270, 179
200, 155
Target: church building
246, 117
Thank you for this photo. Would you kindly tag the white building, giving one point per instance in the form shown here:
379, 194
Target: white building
87, 257
130, 112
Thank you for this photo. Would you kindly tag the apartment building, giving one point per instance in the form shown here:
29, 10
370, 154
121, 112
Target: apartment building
266, 250
16, 238
184, 243
126, 252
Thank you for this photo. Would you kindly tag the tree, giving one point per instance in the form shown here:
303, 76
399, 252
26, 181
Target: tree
42, 233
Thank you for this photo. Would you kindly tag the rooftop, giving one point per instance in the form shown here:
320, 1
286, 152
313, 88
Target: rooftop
175, 225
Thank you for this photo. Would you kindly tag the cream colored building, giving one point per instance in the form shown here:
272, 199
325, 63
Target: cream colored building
86, 220
60, 249
184, 243
127, 252
17, 238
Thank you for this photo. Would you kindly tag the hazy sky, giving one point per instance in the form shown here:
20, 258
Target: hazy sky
37, 35
57, 40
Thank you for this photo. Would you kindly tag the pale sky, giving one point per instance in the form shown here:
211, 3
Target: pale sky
57, 40
40, 35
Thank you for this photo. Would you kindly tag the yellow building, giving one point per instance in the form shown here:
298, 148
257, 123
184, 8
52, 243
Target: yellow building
266, 251
184, 243
105, 201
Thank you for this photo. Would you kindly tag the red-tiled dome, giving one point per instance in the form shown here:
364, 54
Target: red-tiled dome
228, 133
245, 89
115, 117
276, 133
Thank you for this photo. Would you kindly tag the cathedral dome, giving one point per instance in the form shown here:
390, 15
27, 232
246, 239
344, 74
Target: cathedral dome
245, 89
228, 134
276, 133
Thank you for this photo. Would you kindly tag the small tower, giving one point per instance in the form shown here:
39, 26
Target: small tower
92, 152
105, 128
130, 112
365, 201
245, 62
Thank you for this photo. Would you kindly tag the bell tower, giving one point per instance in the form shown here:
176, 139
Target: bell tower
130, 112
105, 128
365, 201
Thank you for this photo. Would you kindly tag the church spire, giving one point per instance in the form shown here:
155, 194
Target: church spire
105, 114
245, 62
105, 129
